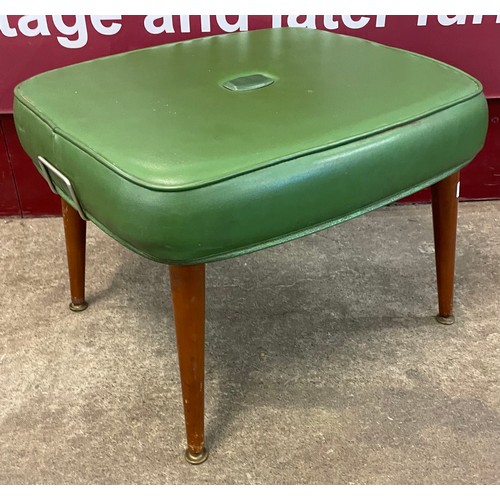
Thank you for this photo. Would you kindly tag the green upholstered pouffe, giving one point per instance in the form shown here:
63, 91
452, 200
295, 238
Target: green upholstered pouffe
346, 126
202, 150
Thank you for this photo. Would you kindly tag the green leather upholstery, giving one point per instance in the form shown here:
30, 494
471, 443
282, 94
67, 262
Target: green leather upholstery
177, 167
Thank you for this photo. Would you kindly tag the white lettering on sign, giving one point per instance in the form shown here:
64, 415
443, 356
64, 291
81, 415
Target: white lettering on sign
205, 24
33, 26
76, 31
72, 32
276, 22
5, 28
185, 24
112, 29
329, 22
449, 20
302, 22
159, 24
165, 24
241, 24
478, 19
355, 25
79, 28
452, 20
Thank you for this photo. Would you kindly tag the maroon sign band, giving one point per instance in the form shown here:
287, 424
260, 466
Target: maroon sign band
33, 44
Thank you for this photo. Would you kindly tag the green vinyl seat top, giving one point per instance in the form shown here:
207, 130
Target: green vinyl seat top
210, 148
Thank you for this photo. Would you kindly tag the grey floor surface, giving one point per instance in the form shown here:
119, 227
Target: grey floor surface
324, 363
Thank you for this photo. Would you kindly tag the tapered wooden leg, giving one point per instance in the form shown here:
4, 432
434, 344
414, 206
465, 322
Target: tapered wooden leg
188, 297
444, 216
75, 230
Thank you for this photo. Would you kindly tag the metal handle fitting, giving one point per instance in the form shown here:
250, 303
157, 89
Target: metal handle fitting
44, 167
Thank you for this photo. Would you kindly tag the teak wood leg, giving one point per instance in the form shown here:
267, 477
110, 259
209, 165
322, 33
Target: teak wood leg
444, 217
188, 297
75, 230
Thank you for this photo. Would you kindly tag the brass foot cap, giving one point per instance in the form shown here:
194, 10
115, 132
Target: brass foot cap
78, 307
196, 458
445, 320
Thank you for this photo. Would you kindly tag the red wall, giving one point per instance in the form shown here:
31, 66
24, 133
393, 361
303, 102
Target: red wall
480, 180
23, 192
24, 185
9, 201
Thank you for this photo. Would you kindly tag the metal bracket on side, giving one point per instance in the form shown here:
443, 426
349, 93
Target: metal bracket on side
44, 167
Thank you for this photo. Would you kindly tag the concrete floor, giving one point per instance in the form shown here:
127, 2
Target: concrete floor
324, 361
